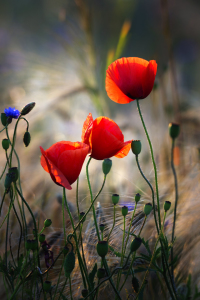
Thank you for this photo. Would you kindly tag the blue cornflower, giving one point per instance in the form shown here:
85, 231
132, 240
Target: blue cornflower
12, 112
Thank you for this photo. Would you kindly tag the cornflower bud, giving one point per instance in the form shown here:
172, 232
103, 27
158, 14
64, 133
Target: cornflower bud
27, 108
115, 199
167, 205
174, 130
47, 223
69, 263
8, 180
5, 120
124, 210
106, 166
5, 144
102, 248
147, 208
136, 147
137, 198
135, 244
27, 138
102, 226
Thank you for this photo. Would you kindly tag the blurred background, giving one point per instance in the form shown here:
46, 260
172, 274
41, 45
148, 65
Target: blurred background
56, 53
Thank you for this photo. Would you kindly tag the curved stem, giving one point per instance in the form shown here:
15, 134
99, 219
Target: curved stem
144, 221
176, 203
113, 224
110, 279
153, 160
122, 255
77, 205
130, 227
91, 198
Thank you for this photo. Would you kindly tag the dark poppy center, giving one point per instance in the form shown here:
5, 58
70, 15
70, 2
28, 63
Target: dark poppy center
130, 96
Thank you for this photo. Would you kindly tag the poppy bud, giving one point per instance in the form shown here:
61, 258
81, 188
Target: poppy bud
65, 250
27, 108
135, 244
14, 172
84, 293
147, 208
115, 199
8, 180
106, 166
102, 248
102, 226
137, 197
5, 120
47, 286
69, 263
33, 245
27, 138
174, 130
41, 238
81, 216
100, 273
167, 205
135, 284
28, 244
5, 144
47, 223
136, 147
124, 211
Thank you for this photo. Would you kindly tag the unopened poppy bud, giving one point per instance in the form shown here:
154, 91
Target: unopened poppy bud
167, 205
102, 226
5, 144
135, 244
33, 245
124, 210
27, 138
27, 108
102, 248
8, 180
84, 293
5, 120
47, 286
69, 263
115, 199
136, 147
41, 238
82, 214
100, 273
135, 284
47, 223
14, 172
65, 250
137, 197
28, 244
147, 208
174, 130
106, 166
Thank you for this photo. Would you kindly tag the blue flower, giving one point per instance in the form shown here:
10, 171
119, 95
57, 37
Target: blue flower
12, 112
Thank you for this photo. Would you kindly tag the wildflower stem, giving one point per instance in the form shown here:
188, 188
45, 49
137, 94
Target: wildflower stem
58, 279
63, 288
153, 160
2, 201
144, 221
113, 224
91, 198
77, 205
110, 278
63, 212
122, 255
70, 287
176, 203
128, 233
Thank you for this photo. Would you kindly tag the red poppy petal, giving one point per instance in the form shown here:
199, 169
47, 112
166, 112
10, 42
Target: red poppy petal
149, 78
87, 128
70, 162
125, 150
56, 175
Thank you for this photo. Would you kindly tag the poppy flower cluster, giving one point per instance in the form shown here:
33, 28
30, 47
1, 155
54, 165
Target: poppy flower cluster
126, 79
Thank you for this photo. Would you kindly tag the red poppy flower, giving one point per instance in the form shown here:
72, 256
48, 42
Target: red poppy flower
104, 138
63, 161
130, 78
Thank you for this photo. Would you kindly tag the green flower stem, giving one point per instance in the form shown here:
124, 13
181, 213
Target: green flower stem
3, 128
77, 204
130, 227
83, 255
6, 243
176, 203
63, 212
26, 122
110, 278
36, 233
70, 287
4, 282
19, 283
91, 205
144, 221
81, 264
4, 170
91, 197
20, 225
129, 269
122, 256
2, 201
41, 231
13, 141
153, 160
63, 288
113, 223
